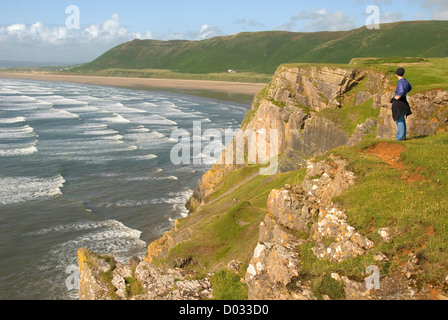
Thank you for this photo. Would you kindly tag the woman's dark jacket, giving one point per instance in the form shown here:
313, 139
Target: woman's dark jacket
400, 108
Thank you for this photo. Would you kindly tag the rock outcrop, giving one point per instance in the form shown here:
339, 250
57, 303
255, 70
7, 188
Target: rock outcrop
307, 210
92, 285
103, 278
429, 114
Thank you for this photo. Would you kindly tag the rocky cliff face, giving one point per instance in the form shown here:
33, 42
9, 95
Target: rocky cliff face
295, 104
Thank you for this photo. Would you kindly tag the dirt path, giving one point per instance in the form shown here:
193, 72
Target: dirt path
390, 153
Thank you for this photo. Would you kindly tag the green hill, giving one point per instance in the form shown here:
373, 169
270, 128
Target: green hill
263, 52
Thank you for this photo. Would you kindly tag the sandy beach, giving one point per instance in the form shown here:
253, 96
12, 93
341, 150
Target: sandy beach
215, 89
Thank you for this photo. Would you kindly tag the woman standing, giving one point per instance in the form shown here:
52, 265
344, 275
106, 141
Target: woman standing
400, 106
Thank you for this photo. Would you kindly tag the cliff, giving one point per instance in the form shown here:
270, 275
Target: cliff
267, 229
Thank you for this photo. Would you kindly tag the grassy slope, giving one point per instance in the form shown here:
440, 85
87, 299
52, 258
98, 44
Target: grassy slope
262, 52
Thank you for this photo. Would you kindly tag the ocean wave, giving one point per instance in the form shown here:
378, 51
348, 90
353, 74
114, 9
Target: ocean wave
100, 132
140, 129
24, 151
17, 133
84, 108
17, 99
7, 92
52, 114
81, 226
154, 119
145, 157
12, 120
176, 199
62, 101
114, 118
150, 178
148, 104
29, 106
23, 189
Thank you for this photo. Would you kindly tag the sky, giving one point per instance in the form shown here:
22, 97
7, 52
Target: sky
77, 31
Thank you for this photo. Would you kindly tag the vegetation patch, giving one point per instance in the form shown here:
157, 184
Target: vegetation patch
228, 286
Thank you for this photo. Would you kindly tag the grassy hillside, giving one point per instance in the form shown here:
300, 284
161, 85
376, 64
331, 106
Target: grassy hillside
263, 52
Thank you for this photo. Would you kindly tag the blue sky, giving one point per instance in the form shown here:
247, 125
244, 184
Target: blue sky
45, 30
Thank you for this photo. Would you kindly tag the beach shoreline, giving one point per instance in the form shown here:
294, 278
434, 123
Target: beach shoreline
221, 90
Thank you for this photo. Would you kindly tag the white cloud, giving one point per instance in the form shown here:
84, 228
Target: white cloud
57, 42
206, 32
376, 2
248, 24
321, 20
388, 17
440, 9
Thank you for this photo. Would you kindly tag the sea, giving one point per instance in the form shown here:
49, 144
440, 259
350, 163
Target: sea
91, 166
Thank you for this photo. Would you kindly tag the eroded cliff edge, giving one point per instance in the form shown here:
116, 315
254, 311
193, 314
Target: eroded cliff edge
314, 109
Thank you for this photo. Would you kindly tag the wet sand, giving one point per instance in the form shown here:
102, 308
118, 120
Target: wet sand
234, 91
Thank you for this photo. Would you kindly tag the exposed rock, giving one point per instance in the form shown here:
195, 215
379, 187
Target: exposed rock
384, 233
361, 130
305, 208
157, 284
91, 284
170, 284
234, 266
160, 246
348, 243
429, 114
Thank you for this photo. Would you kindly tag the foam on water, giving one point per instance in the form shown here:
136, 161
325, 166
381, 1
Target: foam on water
25, 106
19, 150
52, 114
114, 118
59, 100
12, 120
8, 91
17, 133
154, 119
17, 99
22, 189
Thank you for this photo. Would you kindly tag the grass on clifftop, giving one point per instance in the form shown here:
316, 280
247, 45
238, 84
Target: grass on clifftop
423, 73
410, 199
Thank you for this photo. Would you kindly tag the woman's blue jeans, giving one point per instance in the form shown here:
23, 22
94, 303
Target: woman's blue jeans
401, 128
